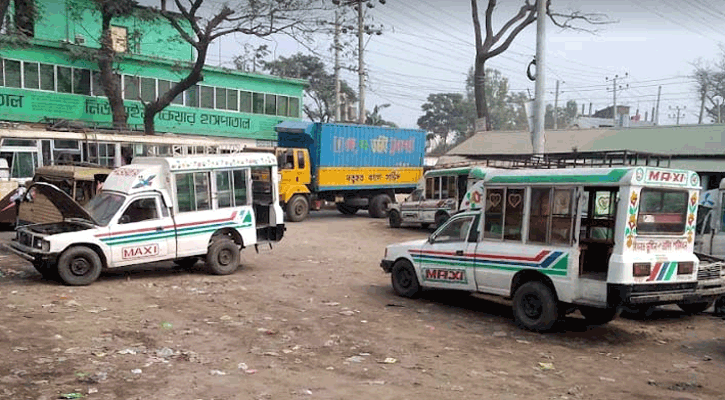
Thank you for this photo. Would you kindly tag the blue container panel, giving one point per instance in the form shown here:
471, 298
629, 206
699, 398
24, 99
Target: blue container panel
368, 146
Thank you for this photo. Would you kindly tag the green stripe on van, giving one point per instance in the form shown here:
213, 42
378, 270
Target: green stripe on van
613, 176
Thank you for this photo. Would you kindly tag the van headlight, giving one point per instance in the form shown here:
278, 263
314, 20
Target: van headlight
41, 244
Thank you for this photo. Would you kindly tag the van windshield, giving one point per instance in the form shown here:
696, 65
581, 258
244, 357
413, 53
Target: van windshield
104, 206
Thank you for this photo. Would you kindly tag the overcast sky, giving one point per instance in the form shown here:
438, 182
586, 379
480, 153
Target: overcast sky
427, 47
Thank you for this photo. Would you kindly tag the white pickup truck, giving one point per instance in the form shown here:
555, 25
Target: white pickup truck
180, 209
710, 242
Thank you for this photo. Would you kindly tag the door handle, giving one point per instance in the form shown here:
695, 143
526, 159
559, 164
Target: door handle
159, 228
459, 252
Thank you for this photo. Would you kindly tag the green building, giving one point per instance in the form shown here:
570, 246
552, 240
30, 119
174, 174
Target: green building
52, 77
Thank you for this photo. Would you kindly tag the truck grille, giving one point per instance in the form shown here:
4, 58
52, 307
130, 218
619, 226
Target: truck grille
708, 271
25, 239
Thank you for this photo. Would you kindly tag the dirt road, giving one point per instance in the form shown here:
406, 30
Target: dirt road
316, 318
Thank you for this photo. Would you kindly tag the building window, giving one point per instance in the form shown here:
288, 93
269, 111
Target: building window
294, 107
282, 102
65, 80
192, 96
258, 103
270, 107
165, 86
119, 39
47, 77
12, 73
130, 87
232, 103
207, 97
245, 102
31, 79
221, 98
82, 81
148, 89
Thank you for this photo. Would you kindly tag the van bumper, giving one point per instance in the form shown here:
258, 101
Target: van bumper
31, 254
386, 265
657, 294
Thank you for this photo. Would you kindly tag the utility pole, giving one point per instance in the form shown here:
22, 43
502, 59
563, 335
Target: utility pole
614, 94
702, 106
556, 105
337, 66
677, 114
538, 139
657, 118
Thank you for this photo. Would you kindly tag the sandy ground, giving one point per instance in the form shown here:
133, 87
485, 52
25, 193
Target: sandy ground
316, 318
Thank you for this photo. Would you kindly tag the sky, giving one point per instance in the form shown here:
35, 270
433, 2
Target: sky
427, 46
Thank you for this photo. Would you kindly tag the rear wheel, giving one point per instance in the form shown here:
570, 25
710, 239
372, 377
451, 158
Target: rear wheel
695, 308
395, 219
535, 307
405, 282
298, 208
425, 225
186, 263
598, 316
79, 266
720, 306
378, 207
346, 210
223, 257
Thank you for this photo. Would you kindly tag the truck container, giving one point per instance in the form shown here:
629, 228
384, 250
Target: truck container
355, 166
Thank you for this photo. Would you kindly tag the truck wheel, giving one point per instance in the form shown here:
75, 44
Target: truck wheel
441, 219
394, 219
379, 206
695, 308
598, 316
405, 282
298, 208
222, 257
79, 266
535, 307
345, 209
720, 306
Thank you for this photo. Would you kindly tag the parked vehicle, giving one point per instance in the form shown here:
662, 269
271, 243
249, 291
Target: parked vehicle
440, 197
354, 166
552, 241
78, 182
710, 242
155, 209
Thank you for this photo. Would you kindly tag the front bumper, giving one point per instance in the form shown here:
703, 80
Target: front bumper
658, 294
31, 254
386, 265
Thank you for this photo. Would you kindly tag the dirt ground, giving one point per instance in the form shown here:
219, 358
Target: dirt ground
316, 318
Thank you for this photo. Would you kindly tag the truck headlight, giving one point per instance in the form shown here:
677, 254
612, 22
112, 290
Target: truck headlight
685, 268
41, 244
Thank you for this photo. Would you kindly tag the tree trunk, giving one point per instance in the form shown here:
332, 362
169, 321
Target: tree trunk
3, 12
111, 86
161, 102
479, 92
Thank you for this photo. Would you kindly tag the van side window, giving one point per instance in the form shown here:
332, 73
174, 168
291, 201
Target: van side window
202, 191
429, 188
240, 188
444, 187
223, 189
493, 228
552, 215
598, 216
514, 214
562, 216
140, 210
185, 192
539, 215
455, 231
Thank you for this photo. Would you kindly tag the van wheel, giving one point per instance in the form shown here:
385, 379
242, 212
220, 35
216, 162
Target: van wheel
394, 219
598, 316
223, 257
345, 209
405, 282
79, 266
425, 225
298, 208
535, 307
441, 219
695, 308
379, 206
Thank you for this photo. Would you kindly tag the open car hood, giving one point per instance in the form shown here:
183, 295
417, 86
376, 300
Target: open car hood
66, 207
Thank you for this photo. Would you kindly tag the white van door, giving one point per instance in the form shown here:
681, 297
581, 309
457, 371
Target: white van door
143, 232
448, 261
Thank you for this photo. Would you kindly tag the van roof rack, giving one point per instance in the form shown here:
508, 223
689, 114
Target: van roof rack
589, 159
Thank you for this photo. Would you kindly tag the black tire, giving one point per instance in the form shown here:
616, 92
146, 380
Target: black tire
441, 219
535, 307
48, 271
695, 308
346, 210
79, 266
404, 279
395, 219
185, 263
298, 208
720, 306
598, 316
638, 312
425, 225
223, 257
379, 206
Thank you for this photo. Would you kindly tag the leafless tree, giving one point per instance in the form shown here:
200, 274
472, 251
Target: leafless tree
496, 42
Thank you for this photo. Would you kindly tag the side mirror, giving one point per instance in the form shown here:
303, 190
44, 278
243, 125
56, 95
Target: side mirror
431, 239
124, 219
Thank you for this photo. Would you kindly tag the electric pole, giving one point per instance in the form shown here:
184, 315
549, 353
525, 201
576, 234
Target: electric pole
614, 95
361, 29
677, 114
657, 118
538, 139
337, 66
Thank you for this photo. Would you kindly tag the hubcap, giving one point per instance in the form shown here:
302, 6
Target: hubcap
404, 278
532, 306
80, 266
225, 257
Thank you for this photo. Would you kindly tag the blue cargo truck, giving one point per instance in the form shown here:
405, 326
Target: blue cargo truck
355, 166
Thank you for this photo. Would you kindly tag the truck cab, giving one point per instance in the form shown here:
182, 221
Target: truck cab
156, 209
